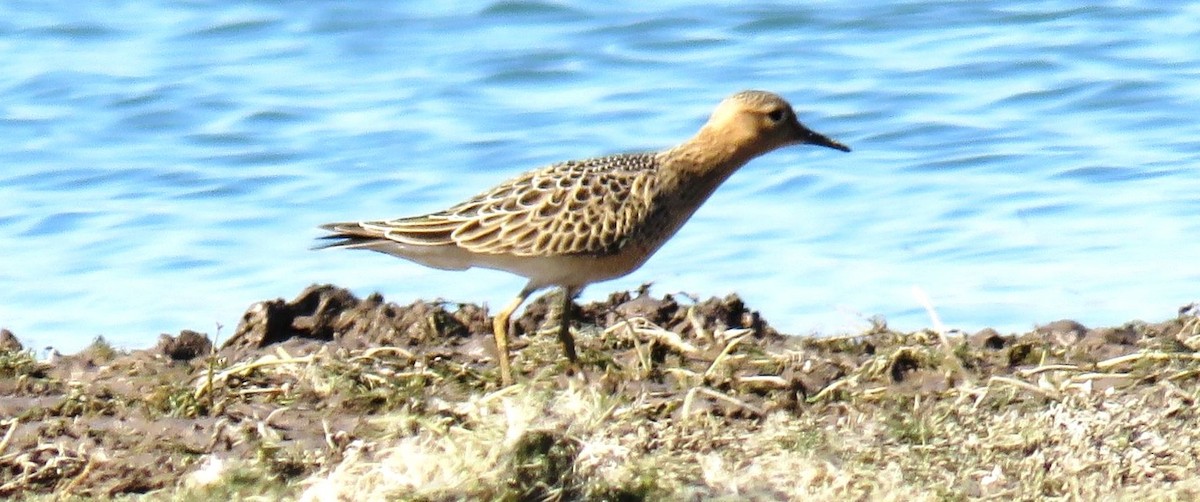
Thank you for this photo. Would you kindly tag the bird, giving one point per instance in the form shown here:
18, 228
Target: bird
578, 222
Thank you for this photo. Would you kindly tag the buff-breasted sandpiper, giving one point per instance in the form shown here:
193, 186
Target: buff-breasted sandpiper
578, 222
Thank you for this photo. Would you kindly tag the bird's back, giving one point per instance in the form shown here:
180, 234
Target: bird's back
591, 207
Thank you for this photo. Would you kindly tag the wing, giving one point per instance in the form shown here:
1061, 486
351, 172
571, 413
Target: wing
587, 207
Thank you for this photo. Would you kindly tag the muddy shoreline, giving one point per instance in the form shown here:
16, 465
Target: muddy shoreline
305, 388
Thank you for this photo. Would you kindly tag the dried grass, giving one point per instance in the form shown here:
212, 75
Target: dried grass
718, 413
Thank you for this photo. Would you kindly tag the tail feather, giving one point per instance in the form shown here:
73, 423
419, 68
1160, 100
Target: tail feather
346, 234
422, 248
409, 232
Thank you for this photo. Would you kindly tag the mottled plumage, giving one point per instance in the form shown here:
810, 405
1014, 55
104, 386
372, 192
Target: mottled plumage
571, 208
574, 223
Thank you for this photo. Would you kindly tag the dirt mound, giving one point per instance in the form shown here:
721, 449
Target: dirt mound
325, 315
301, 380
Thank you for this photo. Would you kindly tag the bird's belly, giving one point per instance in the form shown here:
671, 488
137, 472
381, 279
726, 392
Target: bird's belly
566, 270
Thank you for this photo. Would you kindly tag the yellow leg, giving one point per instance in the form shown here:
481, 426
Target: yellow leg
500, 330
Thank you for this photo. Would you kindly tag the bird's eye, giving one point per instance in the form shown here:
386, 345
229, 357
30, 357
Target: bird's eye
776, 115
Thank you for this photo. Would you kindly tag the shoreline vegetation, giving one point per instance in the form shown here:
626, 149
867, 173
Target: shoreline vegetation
333, 397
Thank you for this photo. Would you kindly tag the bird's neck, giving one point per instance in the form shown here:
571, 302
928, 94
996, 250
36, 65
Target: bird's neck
708, 158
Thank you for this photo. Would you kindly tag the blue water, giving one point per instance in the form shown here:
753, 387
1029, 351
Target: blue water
164, 165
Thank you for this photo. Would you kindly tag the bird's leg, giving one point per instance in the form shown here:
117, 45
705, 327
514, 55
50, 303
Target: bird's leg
500, 327
564, 328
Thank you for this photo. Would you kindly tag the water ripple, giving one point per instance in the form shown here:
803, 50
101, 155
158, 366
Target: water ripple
1002, 151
